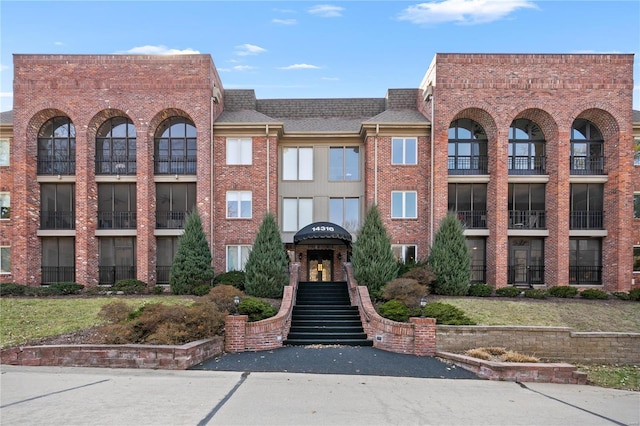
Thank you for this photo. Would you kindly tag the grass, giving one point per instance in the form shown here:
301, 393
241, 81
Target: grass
625, 377
25, 319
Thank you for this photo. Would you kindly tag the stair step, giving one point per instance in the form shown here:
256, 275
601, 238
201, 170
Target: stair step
341, 308
325, 328
345, 342
328, 323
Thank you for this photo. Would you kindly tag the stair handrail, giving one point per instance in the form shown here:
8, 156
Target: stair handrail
348, 272
294, 280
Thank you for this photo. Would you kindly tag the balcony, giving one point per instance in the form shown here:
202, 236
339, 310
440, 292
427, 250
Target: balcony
468, 165
474, 219
525, 275
57, 220
175, 165
109, 275
587, 165
116, 166
116, 220
527, 165
585, 275
587, 220
478, 274
58, 274
56, 166
527, 219
170, 220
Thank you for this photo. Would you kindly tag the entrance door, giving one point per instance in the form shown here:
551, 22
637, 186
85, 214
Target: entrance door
520, 265
320, 265
526, 261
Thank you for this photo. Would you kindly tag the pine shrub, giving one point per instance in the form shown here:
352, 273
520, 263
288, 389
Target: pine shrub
535, 293
234, 278
12, 289
480, 290
562, 291
395, 310
406, 290
446, 314
65, 288
508, 292
192, 263
594, 294
421, 273
635, 294
450, 259
256, 309
130, 286
373, 262
201, 290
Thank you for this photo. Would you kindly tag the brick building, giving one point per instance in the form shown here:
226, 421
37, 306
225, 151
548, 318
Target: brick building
104, 155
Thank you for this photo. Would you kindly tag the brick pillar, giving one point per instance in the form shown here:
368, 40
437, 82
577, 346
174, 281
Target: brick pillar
235, 338
146, 210
497, 253
424, 336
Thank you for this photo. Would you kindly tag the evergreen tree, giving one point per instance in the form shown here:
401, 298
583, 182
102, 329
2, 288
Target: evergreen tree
266, 271
372, 259
192, 264
450, 259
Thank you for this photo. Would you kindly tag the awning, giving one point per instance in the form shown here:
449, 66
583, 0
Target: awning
326, 232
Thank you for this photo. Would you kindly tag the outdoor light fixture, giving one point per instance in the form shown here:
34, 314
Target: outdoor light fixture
423, 303
300, 256
236, 302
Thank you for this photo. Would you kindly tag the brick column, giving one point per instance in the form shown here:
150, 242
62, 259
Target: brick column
235, 336
497, 252
424, 336
146, 210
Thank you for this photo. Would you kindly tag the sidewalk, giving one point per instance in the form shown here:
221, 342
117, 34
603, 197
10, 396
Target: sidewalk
86, 396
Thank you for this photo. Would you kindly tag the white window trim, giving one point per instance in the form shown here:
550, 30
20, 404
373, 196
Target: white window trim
299, 166
9, 271
237, 247
7, 142
404, 205
404, 151
8, 194
299, 223
238, 201
235, 149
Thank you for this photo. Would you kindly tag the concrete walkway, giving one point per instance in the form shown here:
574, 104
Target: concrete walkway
92, 396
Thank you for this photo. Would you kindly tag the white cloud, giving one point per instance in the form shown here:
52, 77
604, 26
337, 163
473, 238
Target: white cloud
462, 11
300, 67
6, 94
237, 68
159, 50
284, 21
58, 43
326, 10
3, 67
249, 49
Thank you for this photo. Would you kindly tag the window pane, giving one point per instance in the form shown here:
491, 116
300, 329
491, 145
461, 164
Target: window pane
289, 163
289, 214
232, 151
66, 256
233, 262
464, 197
4, 152
396, 204
336, 210
245, 204
636, 259
480, 196
246, 151
411, 209
5, 259
352, 214
352, 163
5, 205
397, 151
636, 206
596, 195
305, 208
537, 197
305, 163
336, 164
451, 204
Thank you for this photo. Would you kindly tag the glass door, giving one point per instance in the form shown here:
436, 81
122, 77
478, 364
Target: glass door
320, 265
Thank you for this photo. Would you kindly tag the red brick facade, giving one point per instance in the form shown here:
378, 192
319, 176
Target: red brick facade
493, 90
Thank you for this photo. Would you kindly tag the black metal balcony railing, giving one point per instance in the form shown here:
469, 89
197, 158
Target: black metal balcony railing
56, 166
116, 220
170, 220
175, 165
587, 165
478, 273
116, 166
57, 220
468, 165
526, 165
526, 275
162, 274
527, 219
473, 219
109, 275
58, 274
585, 275
587, 219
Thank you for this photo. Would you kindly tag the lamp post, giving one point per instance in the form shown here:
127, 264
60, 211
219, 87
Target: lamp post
423, 303
236, 302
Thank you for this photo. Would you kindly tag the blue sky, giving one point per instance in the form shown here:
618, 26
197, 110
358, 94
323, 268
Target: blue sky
317, 49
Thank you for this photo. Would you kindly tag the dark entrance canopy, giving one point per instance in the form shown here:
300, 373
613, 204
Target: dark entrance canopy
328, 232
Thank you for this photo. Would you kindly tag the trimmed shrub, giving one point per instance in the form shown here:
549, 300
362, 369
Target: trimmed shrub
635, 294
480, 290
256, 309
222, 296
65, 289
202, 290
12, 289
234, 278
450, 259
535, 293
594, 294
158, 289
446, 314
130, 286
114, 312
563, 291
406, 290
421, 273
508, 292
395, 310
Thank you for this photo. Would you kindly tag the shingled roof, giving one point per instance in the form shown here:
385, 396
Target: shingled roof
6, 117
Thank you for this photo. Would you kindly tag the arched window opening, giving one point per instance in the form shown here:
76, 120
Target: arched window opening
467, 148
527, 154
175, 147
116, 147
587, 149
57, 147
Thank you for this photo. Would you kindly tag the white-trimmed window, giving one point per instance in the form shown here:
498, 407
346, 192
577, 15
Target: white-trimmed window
239, 151
296, 213
404, 204
344, 163
297, 163
4, 152
636, 205
404, 253
239, 205
5, 205
636, 259
404, 151
5, 260
345, 212
237, 256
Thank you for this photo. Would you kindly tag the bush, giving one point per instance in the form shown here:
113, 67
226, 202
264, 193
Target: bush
563, 291
535, 293
222, 296
446, 314
395, 310
158, 289
234, 278
202, 290
635, 294
406, 290
256, 309
450, 259
594, 294
480, 290
11, 289
421, 273
508, 292
114, 312
65, 289
130, 286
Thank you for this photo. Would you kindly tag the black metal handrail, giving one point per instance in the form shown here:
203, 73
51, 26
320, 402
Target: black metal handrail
109, 275
527, 165
472, 219
116, 166
162, 274
57, 274
527, 219
587, 219
57, 220
116, 220
468, 165
170, 220
479, 273
175, 165
56, 166
587, 165
521, 274
585, 274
